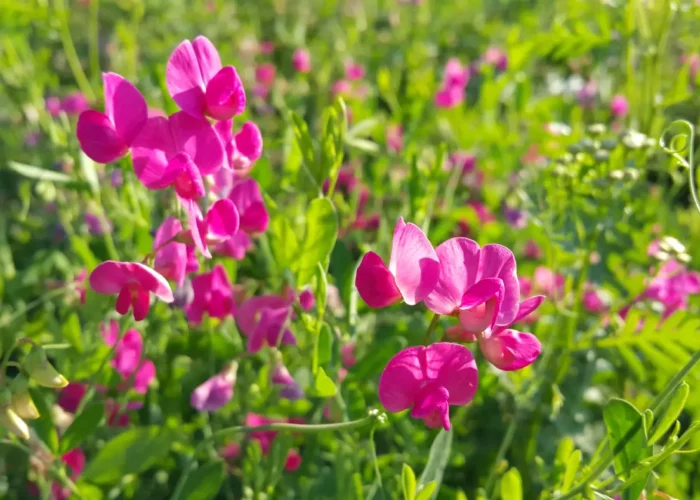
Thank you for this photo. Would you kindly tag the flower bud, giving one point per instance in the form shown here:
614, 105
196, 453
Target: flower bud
38, 367
11, 421
22, 403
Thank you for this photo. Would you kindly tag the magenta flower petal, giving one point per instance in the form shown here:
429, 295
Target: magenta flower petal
151, 152
413, 263
127, 354
222, 220
213, 393
111, 277
247, 197
459, 264
225, 97
375, 283
171, 256
224, 129
198, 138
497, 261
110, 332
213, 295
207, 57
140, 304
125, 106
183, 78
184, 175
528, 306
423, 377
98, 138
236, 246
249, 142
481, 304
511, 350
71, 395
144, 376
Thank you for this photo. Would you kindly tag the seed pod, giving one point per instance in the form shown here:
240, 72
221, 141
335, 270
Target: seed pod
22, 402
13, 423
38, 367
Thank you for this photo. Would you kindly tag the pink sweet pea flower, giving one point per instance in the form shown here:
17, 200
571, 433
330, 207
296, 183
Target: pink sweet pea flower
127, 357
394, 138
216, 392
593, 302
496, 57
200, 85
219, 224
456, 74
428, 380
482, 212
449, 97
213, 294
412, 274
587, 94
549, 282
236, 246
354, 71
672, 286
171, 257
247, 197
74, 103
342, 88
532, 250
71, 395
290, 389
53, 106
619, 106
264, 321
307, 301
132, 282
301, 60
478, 284
267, 47
347, 355
265, 74
241, 150
106, 137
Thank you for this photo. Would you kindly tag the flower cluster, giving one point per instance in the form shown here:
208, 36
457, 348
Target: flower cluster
477, 285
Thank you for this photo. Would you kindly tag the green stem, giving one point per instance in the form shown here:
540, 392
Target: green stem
659, 401
505, 444
94, 37
373, 417
69, 49
431, 328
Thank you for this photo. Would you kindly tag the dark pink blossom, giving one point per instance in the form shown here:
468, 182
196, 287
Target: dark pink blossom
243, 149
75, 462
428, 380
215, 392
74, 103
496, 58
171, 257
213, 295
133, 283
200, 85
301, 60
106, 137
290, 389
619, 106
354, 71
412, 273
264, 320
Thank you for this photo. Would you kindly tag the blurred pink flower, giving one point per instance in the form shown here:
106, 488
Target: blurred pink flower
97, 226
354, 71
456, 74
548, 282
216, 391
74, 103
128, 360
449, 97
170, 255
265, 74
347, 355
267, 47
132, 282
199, 84
307, 301
482, 212
342, 88
592, 301
672, 286
53, 106
619, 106
586, 96
264, 321
290, 389
412, 273
428, 380
75, 463
532, 250
243, 149
496, 57
301, 60
394, 138
213, 295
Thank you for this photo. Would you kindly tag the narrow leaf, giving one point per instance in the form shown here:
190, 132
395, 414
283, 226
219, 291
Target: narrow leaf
84, 425
674, 409
408, 480
437, 460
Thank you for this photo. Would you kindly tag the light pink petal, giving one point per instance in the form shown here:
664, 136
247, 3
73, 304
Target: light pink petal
401, 380
511, 350
197, 226
225, 97
125, 106
183, 78
236, 246
110, 332
151, 152
98, 138
144, 376
413, 263
141, 303
249, 141
197, 138
247, 197
459, 262
109, 277
167, 231
374, 282
224, 129
128, 353
497, 261
247, 316
222, 220
151, 281
481, 304
207, 57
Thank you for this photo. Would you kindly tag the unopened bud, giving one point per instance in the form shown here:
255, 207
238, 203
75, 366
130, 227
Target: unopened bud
13, 423
38, 367
22, 402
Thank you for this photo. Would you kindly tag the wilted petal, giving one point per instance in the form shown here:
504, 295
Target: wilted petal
375, 283
413, 263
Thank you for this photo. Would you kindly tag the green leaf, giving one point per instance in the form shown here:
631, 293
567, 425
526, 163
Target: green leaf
408, 480
283, 243
89, 491
622, 418
319, 240
674, 409
38, 173
129, 453
72, 332
325, 345
427, 491
83, 426
44, 426
512, 485
81, 247
89, 172
377, 358
572, 466
278, 457
437, 460
321, 292
205, 482
323, 385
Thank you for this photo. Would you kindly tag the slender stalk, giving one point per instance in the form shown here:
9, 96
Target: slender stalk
373, 417
94, 38
71, 53
505, 444
431, 328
